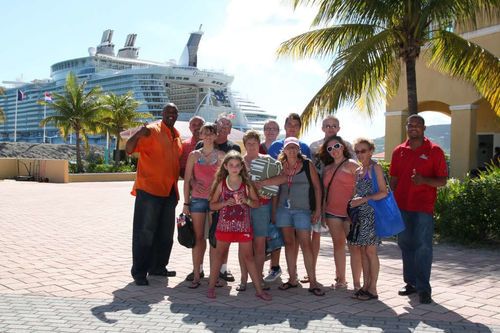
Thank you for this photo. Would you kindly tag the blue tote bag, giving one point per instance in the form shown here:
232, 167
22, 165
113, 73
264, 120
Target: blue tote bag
388, 220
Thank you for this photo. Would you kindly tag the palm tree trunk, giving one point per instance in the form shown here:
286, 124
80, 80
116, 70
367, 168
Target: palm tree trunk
79, 166
117, 154
411, 85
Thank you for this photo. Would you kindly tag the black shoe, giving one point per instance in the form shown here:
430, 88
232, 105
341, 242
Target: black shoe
190, 276
407, 290
163, 272
227, 276
425, 297
141, 281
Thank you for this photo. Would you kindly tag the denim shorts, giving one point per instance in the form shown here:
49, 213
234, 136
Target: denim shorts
331, 216
299, 219
199, 205
261, 217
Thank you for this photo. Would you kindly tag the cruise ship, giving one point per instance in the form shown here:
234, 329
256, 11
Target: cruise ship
195, 91
256, 116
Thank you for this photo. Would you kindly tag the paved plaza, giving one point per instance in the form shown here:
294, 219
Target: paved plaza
65, 267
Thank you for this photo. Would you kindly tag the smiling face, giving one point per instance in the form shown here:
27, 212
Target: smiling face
271, 131
330, 127
335, 149
415, 128
207, 136
252, 147
233, 166
194, 126
292, 128
223, 129
363, 152
170, 114
291, 151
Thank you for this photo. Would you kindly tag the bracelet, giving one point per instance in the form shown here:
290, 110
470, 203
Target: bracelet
186, 204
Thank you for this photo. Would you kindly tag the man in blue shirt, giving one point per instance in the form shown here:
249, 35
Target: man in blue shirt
292, 128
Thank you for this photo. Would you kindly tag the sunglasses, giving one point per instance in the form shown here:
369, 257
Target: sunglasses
335, 146
362, 151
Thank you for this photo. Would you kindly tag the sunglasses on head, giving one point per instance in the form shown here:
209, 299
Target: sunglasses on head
335, 146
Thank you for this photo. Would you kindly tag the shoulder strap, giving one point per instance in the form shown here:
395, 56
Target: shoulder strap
375, 182
305, 165
331, 179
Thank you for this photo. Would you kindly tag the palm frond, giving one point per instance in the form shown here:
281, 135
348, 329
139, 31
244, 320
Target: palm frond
363, 74
325, 42
459, 58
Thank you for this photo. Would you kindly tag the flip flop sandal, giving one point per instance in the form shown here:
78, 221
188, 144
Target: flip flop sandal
241, 287
264, 296
366, 296
287, 285
194, 285
316, 291
357, 293
305, 279
211, 293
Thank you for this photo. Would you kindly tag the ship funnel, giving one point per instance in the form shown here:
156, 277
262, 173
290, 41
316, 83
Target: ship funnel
129, 50
106, 46
189, 56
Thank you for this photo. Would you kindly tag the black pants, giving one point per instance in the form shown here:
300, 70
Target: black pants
153, 232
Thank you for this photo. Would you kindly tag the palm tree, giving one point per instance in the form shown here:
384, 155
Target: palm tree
121, 115
370, 39
2, 115
76, 111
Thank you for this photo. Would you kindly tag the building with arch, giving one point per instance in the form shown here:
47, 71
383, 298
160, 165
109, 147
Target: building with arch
475, 126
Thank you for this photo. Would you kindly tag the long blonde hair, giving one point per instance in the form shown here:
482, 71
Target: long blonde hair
222, 172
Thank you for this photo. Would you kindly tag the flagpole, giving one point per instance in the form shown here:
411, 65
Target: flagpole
44, 116
15, 121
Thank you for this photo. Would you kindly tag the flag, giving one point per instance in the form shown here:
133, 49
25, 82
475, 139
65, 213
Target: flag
47, 97
20, 95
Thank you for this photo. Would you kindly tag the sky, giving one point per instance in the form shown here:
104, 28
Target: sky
240, 38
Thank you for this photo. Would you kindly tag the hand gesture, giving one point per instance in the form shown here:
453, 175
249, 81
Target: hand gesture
144, 131
230, 202
355, 202
417, 178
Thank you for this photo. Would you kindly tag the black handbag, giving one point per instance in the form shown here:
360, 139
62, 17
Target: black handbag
213, 227
185, 231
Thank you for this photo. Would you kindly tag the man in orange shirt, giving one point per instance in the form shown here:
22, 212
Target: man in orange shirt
160, 148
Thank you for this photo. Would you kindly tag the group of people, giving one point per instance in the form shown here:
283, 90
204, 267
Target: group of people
325, 185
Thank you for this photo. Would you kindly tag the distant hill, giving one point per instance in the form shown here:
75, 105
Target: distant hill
439, 134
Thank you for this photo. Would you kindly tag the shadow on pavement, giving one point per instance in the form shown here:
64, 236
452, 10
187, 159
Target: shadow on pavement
236, 312
134, 298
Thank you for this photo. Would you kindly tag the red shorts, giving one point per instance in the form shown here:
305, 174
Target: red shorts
233, 237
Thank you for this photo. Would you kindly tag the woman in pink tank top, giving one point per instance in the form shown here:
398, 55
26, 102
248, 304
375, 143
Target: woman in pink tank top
201, 166
338, 183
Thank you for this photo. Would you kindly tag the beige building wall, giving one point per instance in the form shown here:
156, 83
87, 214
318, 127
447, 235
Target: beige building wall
471, 115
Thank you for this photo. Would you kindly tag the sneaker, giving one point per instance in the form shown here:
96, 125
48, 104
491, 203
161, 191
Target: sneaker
273, 275
407, 290
190, 276
141, 281
227, 276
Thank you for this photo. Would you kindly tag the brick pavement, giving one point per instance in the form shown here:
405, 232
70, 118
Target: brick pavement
65, 261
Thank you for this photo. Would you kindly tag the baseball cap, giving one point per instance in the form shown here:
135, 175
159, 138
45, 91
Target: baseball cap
291, 140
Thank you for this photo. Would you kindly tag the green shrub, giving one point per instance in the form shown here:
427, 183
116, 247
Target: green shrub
468, 211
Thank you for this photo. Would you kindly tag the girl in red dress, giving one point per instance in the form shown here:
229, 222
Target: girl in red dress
233, 195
